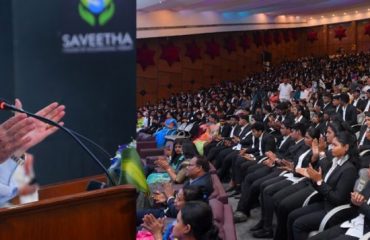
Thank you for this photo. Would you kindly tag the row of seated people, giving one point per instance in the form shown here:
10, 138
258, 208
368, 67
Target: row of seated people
229, 153
320, 76
193, 179
284, 169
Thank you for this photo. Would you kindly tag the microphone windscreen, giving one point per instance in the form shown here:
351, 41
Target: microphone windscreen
362, 180
94, 185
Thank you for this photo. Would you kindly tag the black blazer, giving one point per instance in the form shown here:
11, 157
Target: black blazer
225, 130
321, 127
294, 150
366, 143
281, 150
336, 191
247, 141
361, 104
327, 108
244, 132
236, 130
351, 114
303, 120
267, 144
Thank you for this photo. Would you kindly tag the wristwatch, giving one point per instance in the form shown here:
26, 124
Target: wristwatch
20, 159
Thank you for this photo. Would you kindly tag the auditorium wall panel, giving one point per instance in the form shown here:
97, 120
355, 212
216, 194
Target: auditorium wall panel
337, 44
363, 37
232, 62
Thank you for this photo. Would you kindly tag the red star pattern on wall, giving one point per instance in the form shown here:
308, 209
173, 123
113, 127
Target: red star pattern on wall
340, 32
170, 53
277, 37
367, 29
312, 36
212, 49
245, 42
144, 56
229, 44
193, 51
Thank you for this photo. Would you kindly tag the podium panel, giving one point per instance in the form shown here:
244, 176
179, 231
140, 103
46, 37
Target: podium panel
101, 214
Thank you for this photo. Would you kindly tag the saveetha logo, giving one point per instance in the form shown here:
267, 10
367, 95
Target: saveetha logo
96, 12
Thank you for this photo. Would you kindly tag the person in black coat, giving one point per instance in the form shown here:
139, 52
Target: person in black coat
282, 182
317, 122
260, 143
223, 160
347, 111
294, 151
357, 102
360, 202
293, 197
327, 103
333, 185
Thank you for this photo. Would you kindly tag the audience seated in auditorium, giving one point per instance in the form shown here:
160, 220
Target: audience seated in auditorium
194, 222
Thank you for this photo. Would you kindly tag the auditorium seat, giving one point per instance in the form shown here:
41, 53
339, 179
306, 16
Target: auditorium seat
212, 169
223, 216
218, 190
145, 144
143, 153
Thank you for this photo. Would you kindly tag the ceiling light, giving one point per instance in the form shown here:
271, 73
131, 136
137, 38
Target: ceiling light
356, 11
333, 15
322, 16
344, 13
310, 17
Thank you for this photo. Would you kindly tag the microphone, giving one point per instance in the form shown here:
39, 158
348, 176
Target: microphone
6, 106
362, 180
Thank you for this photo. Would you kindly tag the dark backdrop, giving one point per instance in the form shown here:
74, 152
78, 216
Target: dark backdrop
98, 89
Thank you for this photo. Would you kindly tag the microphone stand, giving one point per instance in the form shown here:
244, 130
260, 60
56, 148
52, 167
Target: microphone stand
4, 105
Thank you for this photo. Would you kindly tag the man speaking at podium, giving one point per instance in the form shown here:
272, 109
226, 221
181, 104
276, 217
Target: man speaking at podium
17, 135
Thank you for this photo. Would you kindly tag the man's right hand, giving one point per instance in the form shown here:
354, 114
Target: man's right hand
13, 135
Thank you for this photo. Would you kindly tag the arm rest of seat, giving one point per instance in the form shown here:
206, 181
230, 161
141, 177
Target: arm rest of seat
309, 198
262, 159
364, 152
330, 215
366, 236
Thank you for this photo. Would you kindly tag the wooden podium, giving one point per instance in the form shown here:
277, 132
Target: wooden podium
67, 211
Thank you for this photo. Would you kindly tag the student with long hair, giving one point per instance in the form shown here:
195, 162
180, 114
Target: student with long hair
194, 222
334, 185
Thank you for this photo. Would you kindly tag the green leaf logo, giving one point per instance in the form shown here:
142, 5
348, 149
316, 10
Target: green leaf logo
96, 12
